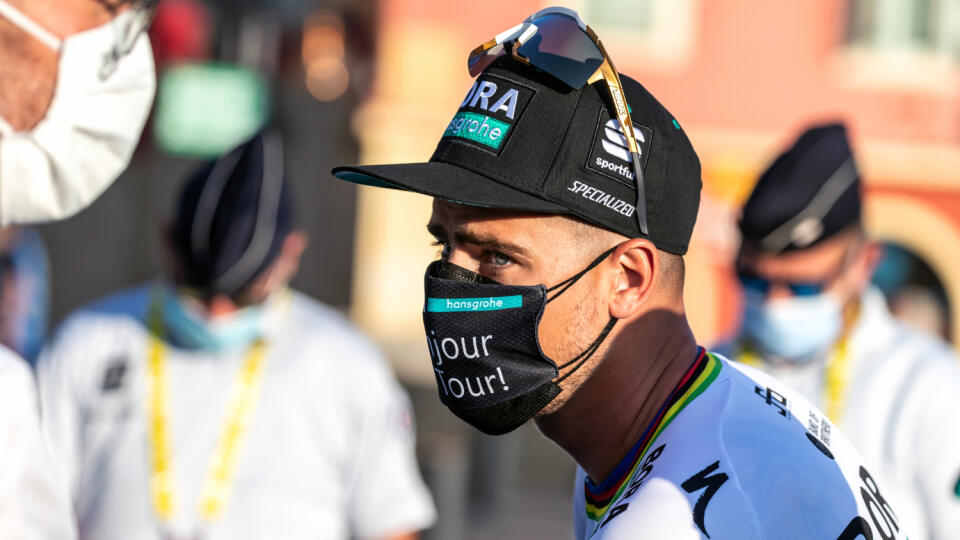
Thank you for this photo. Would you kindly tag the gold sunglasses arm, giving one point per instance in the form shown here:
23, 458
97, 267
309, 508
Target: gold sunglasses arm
483, 47
609, 74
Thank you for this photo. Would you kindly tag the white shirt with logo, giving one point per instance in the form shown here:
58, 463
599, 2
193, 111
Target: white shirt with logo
329, 452
744, 458
34, 504
899, 407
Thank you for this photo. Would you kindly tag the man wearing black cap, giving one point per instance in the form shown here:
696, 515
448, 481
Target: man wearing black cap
558, 297
223, 404
812, 320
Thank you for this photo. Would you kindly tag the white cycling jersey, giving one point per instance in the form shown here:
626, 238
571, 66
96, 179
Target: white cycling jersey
736, 455
328, 453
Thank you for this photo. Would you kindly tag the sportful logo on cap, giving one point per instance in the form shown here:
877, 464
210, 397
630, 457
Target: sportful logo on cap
487, 114
610, 155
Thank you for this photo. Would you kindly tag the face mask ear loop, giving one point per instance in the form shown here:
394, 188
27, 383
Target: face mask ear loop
567, 283
586, 354
28, 25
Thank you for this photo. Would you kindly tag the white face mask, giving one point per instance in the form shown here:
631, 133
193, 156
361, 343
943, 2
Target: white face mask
105, 86
192, 326
794, 330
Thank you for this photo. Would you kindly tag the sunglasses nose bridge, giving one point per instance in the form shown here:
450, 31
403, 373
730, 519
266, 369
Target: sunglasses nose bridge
515, 51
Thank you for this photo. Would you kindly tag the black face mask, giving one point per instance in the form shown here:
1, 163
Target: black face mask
483, 340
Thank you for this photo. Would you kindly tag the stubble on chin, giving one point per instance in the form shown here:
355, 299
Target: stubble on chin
581, 335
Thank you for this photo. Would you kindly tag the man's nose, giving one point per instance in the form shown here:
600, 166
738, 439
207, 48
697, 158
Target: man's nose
462, 258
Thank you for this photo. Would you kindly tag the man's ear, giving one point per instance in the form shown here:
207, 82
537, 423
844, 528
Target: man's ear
293, 247
295, 244
638, 267
866, 264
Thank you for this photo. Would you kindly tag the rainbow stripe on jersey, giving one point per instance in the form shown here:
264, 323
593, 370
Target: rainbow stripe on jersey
698, 377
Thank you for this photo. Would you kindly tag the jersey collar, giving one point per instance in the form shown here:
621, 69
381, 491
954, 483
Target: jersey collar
699, 375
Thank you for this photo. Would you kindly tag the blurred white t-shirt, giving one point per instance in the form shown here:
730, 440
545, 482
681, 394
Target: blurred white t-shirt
329, 452
34, 504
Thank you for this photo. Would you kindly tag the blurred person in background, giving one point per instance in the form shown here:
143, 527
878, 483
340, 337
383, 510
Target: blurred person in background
918, 307
558, 298
222, 404
33, 500
813, 320
76, 84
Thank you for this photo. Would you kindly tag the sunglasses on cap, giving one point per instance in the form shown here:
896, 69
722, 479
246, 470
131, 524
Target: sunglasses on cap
555, 40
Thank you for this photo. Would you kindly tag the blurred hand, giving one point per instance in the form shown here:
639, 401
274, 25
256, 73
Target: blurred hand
28, 71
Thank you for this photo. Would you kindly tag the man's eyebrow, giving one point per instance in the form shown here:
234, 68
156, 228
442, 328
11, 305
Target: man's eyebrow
467, 237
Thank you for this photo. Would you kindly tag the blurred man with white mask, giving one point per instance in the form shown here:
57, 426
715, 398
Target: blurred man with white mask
221, 404
813, 320
76, 84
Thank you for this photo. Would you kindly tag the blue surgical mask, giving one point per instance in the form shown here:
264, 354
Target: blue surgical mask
190, 326
795, 329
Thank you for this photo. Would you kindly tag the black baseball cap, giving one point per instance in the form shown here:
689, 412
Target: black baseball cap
522, 140
809, 193
232, 217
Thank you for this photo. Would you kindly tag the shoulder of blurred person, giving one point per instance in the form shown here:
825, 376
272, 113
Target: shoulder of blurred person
320, 328
878, 330
115, 317
33, 500
906, 385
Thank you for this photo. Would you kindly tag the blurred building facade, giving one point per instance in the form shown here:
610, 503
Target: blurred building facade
742, 77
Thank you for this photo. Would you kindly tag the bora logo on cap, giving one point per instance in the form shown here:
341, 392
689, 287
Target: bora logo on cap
488, 112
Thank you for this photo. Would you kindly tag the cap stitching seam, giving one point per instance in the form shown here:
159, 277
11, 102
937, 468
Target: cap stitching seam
563, 141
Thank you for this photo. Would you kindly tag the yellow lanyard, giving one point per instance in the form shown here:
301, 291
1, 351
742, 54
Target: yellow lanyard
243, 398
835, 379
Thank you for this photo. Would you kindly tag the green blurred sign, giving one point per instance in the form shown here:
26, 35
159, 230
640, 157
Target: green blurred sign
204, 110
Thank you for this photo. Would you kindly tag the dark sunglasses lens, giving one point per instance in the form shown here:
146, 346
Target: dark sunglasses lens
806, 289
754, 284
562, 49
479, 62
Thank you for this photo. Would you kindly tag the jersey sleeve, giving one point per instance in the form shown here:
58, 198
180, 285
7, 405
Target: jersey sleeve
34, 504
387, 494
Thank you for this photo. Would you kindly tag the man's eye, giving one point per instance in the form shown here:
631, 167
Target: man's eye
498, 259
